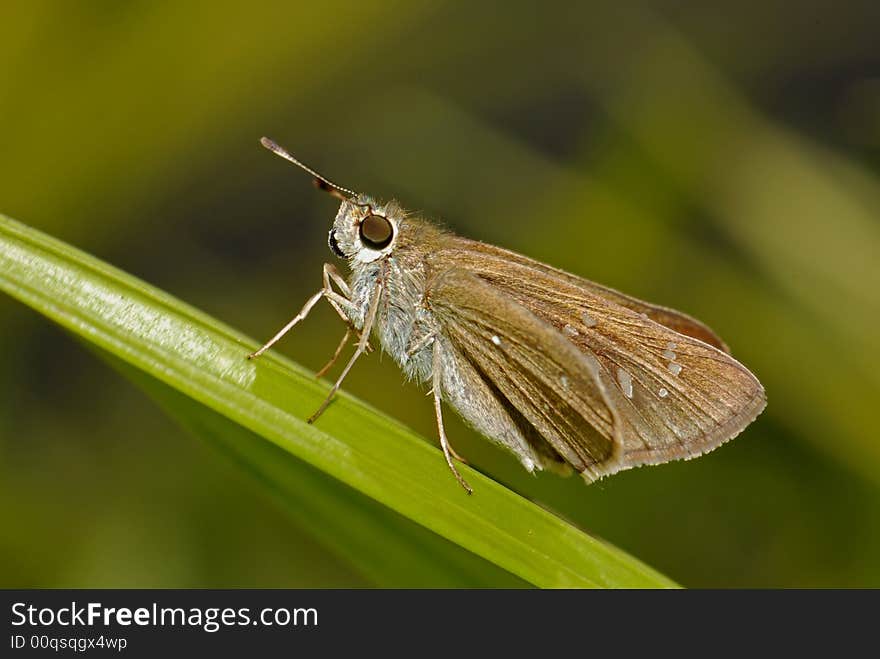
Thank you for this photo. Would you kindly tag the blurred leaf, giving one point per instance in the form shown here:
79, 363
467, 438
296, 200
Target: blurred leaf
198, 368
200, 88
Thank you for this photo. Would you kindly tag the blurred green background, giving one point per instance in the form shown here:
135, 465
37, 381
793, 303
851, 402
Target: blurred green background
719, 158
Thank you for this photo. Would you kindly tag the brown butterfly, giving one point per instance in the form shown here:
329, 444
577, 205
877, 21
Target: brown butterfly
562, 372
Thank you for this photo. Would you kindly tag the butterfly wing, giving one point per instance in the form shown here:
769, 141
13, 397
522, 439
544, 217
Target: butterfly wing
470, 254
535, 373
675, 391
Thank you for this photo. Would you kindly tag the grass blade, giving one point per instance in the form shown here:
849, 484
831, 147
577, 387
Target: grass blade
204, 361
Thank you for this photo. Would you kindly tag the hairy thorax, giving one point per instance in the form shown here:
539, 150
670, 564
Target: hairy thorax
404, 325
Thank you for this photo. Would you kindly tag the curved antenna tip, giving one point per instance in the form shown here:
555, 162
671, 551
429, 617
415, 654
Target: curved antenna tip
322, 182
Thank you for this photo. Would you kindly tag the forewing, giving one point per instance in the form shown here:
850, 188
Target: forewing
550, 382
479, 257
677, 394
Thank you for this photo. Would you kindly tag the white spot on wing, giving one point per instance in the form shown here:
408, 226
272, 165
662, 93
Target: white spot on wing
663, 392
674, 368
496, 339
568, 330
672, 345
564, 381
625, 381
589, 321
668, 354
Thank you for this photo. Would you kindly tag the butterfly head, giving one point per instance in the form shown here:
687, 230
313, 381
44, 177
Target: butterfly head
364, 230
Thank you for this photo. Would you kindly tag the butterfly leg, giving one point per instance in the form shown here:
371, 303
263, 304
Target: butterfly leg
331, 273
361, 349
455, 454
335, 356
337, 301
448, 452
307, 307
419, 344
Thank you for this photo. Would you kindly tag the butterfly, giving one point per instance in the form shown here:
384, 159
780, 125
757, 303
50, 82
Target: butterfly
566, 374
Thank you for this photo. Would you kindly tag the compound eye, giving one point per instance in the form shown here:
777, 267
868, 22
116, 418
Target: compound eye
334, 244
376, 231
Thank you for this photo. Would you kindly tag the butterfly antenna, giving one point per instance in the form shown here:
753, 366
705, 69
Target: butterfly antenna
324, 183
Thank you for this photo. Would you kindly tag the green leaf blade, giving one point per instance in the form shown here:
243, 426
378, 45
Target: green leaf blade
205, 361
